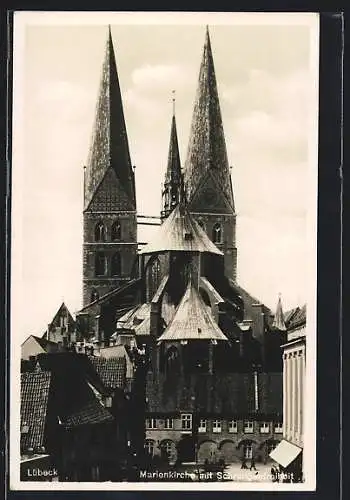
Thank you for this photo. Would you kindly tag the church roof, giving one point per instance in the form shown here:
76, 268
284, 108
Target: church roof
180, 233
109, 153
192, 320
207, 161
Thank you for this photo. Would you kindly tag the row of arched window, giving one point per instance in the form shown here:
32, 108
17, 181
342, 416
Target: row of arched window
216, 233
108, 266
101, 231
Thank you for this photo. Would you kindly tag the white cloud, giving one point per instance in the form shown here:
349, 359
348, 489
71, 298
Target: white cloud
161, 76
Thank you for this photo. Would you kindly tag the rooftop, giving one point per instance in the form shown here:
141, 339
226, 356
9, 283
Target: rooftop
192, 320
35, 387
180, 233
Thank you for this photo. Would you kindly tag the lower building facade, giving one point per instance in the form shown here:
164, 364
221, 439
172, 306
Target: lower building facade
186, 437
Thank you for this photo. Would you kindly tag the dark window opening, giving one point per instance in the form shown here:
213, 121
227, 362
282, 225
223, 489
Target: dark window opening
100, 232
100, 264
217, 233
116, 265
116, 231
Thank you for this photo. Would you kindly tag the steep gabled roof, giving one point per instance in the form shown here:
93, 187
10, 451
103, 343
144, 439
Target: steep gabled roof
90, 414
180, 233
299, 319
63, 310
35, 387
109, 144
207, 156
192, 320
112, 371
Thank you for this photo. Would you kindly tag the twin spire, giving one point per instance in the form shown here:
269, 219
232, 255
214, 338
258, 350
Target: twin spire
109, 152
207, 156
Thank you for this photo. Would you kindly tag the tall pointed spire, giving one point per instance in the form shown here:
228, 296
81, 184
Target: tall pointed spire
173, 178
109, 145
278, 322
207, 156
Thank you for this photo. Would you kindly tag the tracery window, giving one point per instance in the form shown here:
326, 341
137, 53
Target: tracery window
116, 230
100, 232
217, 233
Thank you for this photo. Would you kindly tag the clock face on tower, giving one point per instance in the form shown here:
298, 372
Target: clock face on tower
209, 197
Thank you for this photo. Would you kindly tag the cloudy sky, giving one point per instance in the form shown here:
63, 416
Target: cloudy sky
265, 68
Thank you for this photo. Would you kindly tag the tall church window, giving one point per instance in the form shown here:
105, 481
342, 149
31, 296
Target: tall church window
172, 360
100, 232
116, 264
153, 278
217, 233
116, 231
100, 264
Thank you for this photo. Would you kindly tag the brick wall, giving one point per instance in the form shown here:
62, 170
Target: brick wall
126, 246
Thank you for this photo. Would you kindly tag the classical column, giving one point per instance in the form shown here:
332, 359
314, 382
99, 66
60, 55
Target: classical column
302, 395
285, 395
291, 395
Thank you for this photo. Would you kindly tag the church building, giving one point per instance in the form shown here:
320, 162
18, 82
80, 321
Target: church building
212, 389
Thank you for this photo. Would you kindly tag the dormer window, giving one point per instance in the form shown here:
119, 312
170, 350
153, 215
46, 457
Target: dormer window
188, 236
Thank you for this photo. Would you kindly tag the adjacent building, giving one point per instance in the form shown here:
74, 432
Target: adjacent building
289, 453
73, 419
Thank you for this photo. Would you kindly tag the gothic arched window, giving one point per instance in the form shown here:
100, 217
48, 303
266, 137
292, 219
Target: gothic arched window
153, 278
94, 295
172, 360
100, 264
217, 233
116, 264
149, 447
100, 231
116, 230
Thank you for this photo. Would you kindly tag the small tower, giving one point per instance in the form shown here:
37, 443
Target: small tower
110, 227
207, 173
173, 183
278, 321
